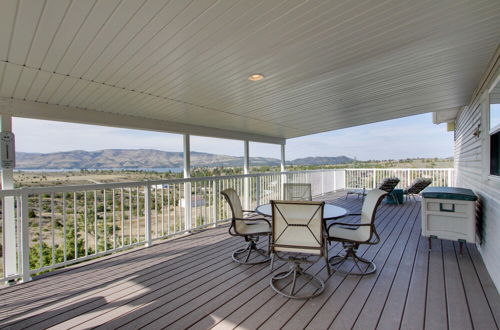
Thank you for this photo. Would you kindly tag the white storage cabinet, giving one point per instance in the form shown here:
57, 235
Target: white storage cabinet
449, 213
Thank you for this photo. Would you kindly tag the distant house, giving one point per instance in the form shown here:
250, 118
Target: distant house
195, 201
160, 186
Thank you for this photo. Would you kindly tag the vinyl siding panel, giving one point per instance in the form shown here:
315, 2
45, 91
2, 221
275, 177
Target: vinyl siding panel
472, 164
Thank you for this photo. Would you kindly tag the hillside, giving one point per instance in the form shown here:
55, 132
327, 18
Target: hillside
149, 158
322, 160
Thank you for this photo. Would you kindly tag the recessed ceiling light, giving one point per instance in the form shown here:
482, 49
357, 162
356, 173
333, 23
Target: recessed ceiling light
256, 77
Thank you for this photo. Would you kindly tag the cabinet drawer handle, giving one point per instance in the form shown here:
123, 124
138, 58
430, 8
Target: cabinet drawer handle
442, 208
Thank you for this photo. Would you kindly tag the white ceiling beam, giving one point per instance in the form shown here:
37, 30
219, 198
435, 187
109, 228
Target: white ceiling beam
445, 116
43, 111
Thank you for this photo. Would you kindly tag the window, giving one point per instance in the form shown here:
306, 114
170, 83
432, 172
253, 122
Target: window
494, 130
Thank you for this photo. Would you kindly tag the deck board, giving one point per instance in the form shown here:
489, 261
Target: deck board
436, 316
458, 308
415, 305
392, 310
480, 310
191, 282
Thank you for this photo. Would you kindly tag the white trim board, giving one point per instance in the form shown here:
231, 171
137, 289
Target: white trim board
36, 110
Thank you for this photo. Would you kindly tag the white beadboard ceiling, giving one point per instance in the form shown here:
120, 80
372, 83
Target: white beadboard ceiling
182, 65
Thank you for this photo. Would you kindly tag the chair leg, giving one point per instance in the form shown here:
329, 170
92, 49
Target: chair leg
244, 255
358, 266
294, 281
328, 269
272, 261
288, 289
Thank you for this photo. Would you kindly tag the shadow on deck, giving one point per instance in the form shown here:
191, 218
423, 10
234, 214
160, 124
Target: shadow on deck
192, 282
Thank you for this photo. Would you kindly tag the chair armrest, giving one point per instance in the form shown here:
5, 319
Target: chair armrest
253, 219
347, 224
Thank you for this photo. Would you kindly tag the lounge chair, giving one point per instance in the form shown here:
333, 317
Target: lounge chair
387, 185
416, 187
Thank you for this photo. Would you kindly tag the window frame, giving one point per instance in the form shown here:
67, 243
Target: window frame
486, 138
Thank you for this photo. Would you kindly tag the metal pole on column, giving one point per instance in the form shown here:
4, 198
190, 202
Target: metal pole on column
25, 236
187, 185
246, 170
147, 215
283, 169
9, 217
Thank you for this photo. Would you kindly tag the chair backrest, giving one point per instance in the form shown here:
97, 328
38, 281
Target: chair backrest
233, 199
418, 185
297, 191
297, 227
370, 204
388, 184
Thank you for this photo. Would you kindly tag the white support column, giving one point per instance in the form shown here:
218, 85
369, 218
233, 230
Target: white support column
246, 170
187, 185
9, 217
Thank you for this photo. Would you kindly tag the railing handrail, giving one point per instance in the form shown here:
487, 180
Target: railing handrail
130, 184
400, 169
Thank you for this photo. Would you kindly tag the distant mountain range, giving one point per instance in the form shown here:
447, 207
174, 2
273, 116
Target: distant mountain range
149, 158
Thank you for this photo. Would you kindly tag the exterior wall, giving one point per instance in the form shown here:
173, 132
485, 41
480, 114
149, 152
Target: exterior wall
472, 167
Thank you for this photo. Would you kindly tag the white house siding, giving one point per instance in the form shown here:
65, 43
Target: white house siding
472, 167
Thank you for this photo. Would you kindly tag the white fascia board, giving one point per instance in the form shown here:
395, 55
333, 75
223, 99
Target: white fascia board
44, 111
445, 116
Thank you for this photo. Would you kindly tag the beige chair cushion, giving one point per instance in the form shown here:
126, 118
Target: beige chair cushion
370, 204
252, 228
359, 235
243, 227
297, 191
362, 233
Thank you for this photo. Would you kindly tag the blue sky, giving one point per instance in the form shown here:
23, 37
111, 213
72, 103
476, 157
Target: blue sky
407, 137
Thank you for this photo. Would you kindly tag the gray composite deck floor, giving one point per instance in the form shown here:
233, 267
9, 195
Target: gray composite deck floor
191, 282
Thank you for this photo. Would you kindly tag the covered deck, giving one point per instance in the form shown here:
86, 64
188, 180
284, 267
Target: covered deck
191, 282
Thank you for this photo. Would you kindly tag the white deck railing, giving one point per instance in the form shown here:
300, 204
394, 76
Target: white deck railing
61, 225
371, 177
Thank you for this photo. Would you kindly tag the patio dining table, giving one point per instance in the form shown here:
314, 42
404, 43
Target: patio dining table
330, 212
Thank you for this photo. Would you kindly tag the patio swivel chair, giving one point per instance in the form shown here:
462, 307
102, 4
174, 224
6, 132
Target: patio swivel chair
248, 227
416, 187
387, 185
297, 191
352, 235
298, 237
